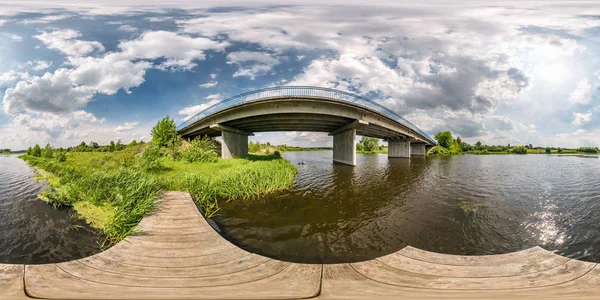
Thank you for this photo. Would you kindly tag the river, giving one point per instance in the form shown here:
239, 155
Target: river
31, 231
337, 213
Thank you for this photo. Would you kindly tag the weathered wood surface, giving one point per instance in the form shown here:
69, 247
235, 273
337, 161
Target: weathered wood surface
177, 255
11, 282
416, 274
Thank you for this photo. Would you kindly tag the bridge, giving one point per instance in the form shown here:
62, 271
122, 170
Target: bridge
305, 108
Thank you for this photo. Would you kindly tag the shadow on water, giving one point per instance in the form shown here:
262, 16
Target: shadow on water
31, 231
468, 205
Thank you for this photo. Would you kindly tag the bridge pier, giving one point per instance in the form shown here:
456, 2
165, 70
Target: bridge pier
235, 141
344, 147
417, 150
399, 149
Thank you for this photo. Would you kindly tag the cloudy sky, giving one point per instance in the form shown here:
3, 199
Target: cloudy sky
519, 73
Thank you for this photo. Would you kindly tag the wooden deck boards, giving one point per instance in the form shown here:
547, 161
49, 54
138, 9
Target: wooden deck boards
177, 255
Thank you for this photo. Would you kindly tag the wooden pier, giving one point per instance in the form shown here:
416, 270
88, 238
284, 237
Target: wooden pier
178, 255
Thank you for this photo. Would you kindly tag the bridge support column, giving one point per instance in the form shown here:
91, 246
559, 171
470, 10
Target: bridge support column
399, 149
235, 141
417, 150
234, 145
344, 147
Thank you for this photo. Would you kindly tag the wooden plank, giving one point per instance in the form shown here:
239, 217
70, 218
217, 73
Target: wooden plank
177, 255
474, 260
11, 282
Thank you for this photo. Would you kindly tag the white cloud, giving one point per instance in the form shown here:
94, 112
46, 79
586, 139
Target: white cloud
66, 42
55, 125
213, 76
127, 28
180, 51
13, 37
190, 111
252, 63
39, 65
12, 75
581, 118
45, 19
582, 93
126, 127
52, 93
209, 84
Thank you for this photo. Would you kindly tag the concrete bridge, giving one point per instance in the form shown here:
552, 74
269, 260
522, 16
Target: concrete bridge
299, 108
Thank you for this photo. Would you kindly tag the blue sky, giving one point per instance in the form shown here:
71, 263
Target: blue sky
518, 73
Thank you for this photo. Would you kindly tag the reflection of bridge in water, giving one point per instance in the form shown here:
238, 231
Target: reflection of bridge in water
341, 114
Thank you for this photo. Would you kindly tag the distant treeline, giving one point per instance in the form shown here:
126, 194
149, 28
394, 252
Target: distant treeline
5, 151
258, 147
448, 145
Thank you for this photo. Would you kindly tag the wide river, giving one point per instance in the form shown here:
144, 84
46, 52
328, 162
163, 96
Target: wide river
334, 213
337, 213
31, 231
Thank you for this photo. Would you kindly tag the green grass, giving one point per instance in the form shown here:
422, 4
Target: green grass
113, 192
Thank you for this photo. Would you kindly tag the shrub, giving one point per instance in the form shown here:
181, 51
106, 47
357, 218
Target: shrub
151, 157
36, 151
519, 150
548, 150
164, 134
61, 156
201, 150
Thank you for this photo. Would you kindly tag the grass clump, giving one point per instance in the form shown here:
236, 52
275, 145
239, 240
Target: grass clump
470, 208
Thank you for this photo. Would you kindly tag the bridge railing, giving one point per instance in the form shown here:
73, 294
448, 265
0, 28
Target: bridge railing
302, 91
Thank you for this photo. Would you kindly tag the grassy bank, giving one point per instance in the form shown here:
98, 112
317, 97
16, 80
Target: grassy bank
113, 191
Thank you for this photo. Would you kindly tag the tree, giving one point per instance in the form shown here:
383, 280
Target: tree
478, 144
530, 146
94, 145
164, 134
29, 151
61, 156
560, 151
111, 146
458, 140
37, 151
368, 144
48, 152
119, 146
444, 139
548, 150
133, 143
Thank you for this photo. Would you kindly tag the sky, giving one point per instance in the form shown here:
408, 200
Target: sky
525, 72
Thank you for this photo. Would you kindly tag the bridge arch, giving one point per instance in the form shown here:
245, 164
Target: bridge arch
304, 108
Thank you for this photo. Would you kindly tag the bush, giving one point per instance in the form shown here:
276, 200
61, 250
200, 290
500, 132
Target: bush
201, 150
36, 151
548, 150
61, 156
151, 157
519, 150
164, 134
588, 150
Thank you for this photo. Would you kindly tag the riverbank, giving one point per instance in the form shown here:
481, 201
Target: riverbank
114, 191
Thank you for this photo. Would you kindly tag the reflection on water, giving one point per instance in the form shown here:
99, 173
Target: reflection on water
337, 213
31, 231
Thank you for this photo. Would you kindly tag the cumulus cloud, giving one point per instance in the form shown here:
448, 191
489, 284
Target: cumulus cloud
12, 75
66, 42
209, 84
39, 65
45, 19
190, 111
55, 125
51, 93
582, 93
126, 127
581, 118
180, 51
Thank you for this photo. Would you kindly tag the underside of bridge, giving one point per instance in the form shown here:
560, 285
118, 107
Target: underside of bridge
341, 120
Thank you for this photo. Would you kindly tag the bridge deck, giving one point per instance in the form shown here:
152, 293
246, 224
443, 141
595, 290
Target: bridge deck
178, 255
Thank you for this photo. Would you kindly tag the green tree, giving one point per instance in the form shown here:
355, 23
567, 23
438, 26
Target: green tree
548, 150
29, 151
37, 151
444, 139
119, 146
368, 144
164, 134
133, 143
111, 146
61, 156
519, 150
94, 145
48, 152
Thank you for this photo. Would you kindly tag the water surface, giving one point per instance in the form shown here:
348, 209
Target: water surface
337, 213
31, 231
